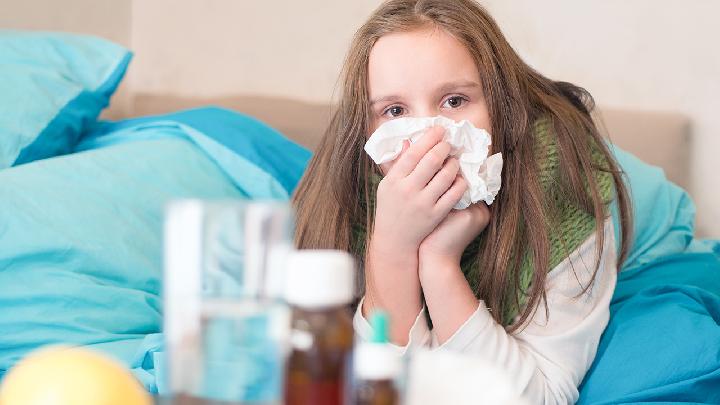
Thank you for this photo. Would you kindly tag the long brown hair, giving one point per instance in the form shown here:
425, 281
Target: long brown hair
333, 194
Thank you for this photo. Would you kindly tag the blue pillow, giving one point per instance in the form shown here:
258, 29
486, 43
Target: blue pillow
53, 86
663, 214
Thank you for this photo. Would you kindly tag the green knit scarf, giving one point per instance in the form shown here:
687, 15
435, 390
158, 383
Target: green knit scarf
570, 224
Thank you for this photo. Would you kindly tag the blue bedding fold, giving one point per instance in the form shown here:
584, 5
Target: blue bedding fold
244, 147
662, 343
82, 233
81, 238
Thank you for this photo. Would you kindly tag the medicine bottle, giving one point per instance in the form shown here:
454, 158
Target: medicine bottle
319, 288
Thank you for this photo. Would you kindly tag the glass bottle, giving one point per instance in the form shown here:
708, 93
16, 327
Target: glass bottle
226, 324
319, 288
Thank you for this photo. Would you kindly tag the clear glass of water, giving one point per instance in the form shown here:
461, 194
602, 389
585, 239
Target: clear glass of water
226, 325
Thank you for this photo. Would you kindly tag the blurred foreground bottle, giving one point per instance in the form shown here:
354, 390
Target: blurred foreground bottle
319, 288
226, 324
377, 366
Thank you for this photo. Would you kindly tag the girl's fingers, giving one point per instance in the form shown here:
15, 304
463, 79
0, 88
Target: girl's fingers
443, 179
452, 195
407, 162
430, 164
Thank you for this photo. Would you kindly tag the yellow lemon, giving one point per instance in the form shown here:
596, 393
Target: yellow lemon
71, 376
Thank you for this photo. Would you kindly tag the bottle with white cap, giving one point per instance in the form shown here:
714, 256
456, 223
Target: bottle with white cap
319, 287
377, 366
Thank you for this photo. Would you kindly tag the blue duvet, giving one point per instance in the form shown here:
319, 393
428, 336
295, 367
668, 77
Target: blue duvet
81, 234
663, 340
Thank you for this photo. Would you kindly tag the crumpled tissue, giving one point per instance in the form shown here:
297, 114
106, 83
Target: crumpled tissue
470, 145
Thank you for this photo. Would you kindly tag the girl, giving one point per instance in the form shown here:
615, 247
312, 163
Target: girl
525, 283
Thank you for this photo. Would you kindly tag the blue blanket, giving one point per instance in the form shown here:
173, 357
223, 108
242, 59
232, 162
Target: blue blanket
662, 343
260, 162
82, 233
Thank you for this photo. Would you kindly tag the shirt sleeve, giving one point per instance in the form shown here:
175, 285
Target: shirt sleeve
550, 356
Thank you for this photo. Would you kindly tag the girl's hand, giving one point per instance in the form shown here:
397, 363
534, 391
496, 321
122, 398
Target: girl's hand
448, 295
417, 192
448, 241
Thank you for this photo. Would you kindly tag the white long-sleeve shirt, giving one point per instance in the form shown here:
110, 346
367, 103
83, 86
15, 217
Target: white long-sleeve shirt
549, 358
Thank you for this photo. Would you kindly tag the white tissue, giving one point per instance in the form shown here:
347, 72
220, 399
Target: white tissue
469, 144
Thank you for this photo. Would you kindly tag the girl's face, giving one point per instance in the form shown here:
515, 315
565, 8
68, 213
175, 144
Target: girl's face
424, 73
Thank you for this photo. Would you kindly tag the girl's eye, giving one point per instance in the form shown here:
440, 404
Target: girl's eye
454, 102
394, 111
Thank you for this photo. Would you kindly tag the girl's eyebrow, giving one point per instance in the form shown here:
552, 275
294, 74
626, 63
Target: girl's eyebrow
383, 99
465, 84
444, 88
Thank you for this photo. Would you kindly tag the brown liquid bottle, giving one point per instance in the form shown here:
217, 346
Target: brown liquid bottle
319, 288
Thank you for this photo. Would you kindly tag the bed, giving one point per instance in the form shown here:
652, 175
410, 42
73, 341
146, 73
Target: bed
82, 199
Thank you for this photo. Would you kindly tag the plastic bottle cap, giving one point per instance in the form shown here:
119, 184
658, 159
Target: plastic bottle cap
319, 278
377, 360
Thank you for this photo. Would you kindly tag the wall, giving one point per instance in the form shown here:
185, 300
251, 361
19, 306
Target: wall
274, 47
641, 54
106, 18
